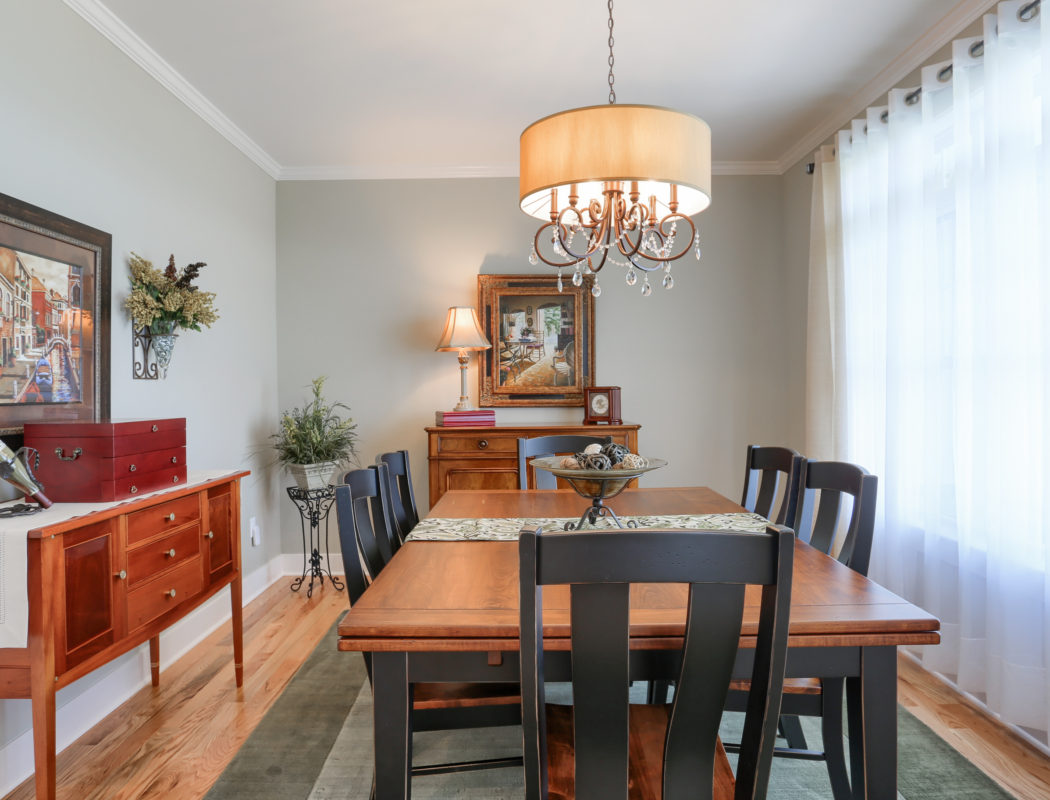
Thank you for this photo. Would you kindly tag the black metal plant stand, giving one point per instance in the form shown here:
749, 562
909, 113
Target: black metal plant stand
314, 505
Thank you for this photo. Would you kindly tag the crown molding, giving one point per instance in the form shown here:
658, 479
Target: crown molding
954, 22
380, 172
109, 25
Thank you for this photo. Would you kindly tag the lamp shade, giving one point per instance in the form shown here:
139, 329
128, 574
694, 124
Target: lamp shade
589, 146
462, 331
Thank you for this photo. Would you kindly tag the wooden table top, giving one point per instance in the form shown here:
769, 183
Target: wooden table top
464, 595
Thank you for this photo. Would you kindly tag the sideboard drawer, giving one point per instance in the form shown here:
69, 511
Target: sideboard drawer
478, 443
163, 593
163, 517
158, 555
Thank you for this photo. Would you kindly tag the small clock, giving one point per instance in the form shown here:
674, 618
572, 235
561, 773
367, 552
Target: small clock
601, 404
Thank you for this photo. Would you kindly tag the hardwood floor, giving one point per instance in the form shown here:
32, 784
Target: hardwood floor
174, 741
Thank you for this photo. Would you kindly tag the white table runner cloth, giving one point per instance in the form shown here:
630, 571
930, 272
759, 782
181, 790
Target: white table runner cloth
507, 529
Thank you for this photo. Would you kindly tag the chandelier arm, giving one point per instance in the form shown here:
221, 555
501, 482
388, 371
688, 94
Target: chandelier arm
539, 253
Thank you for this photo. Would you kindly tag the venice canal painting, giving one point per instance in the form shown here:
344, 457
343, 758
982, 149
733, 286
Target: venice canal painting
42, 329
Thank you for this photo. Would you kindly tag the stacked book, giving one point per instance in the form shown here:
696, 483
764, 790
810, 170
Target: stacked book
477, 417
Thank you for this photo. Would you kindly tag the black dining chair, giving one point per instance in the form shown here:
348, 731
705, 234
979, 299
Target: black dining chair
435, 706
539, 446
371, 516
769, 471
822, 486
402, 497
599, 745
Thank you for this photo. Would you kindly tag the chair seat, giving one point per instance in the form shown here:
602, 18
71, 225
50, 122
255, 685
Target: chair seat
648, 729
465, 695
791, 686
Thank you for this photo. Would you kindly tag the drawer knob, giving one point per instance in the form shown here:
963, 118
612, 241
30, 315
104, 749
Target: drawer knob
170, 593
63, 457
171, 517
210, 535
132, 468
154, 429
174, 459
170, 553
483, 443
121, 575
134, 489
174, 478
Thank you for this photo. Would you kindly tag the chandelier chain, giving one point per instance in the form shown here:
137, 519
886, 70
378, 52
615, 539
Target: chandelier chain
612, 91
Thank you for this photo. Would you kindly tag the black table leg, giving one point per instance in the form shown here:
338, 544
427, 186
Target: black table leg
877, 690
392, 732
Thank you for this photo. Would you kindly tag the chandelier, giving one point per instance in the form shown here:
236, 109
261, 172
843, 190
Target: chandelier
615, 183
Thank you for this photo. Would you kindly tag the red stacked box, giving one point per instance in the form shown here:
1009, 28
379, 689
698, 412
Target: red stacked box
475, 418
109, 460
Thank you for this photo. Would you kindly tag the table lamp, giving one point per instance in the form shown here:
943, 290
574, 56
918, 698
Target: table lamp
463, 333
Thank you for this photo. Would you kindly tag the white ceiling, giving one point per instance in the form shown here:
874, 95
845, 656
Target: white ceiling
434, 88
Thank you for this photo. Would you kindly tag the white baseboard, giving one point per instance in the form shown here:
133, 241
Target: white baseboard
79, 708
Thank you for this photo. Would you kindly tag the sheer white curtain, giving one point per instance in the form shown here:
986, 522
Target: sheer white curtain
933, 366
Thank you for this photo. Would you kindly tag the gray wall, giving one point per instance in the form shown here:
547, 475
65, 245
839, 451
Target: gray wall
89, 135
367, 269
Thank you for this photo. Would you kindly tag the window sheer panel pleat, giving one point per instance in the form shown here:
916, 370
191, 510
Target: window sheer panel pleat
929, 351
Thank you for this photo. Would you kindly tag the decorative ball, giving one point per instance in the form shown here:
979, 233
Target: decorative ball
633, 461
615, 452
592, 449
597, 461
569, 462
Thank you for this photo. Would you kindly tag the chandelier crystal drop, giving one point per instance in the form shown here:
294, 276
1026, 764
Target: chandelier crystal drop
615, 180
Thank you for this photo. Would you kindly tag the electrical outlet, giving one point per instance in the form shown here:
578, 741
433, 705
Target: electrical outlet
254, 532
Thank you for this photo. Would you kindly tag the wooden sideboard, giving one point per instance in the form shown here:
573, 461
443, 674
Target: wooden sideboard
104, 582
487, 457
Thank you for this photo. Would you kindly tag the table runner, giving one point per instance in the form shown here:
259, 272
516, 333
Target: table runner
507, 529
14, 590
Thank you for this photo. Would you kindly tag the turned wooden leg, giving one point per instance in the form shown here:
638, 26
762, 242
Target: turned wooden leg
154, 660
238, 630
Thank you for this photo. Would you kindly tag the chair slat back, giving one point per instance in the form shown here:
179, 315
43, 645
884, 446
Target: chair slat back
402, 497
353, 570
540, 446
832, 480
766, 469
370, 515
600, 568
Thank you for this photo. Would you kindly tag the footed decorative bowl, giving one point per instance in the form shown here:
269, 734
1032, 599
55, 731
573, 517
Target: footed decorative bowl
596, 485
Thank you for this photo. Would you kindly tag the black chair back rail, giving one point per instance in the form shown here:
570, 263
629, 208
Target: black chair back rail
600, 569
402, 497
769, 472
540, 446
832, 479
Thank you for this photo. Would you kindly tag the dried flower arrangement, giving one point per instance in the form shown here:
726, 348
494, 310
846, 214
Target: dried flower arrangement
160, 301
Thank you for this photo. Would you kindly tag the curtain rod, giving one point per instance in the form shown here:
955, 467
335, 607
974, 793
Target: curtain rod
1026, 13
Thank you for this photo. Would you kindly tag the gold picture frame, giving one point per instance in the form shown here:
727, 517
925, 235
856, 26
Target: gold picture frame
547, 362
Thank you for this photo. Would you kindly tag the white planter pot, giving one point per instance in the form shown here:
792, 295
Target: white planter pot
313, 476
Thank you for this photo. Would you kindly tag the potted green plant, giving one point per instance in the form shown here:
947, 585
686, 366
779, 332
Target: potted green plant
315, 440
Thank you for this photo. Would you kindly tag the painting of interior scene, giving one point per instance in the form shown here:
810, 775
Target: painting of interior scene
42, 329
536, 338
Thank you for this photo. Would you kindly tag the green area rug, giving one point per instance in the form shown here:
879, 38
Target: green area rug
315, 743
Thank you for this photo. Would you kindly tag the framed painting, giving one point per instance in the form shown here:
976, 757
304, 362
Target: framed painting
542, 350
54, 318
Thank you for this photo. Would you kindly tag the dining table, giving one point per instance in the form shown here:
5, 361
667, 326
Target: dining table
445, 609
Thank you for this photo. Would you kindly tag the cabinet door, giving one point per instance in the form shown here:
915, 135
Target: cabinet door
220, 533
89, 586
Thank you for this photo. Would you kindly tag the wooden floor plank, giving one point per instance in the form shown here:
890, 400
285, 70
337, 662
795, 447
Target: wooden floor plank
173, 742
1008, 759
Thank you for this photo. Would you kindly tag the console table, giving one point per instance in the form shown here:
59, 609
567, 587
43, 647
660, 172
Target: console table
105, 581
487, 457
